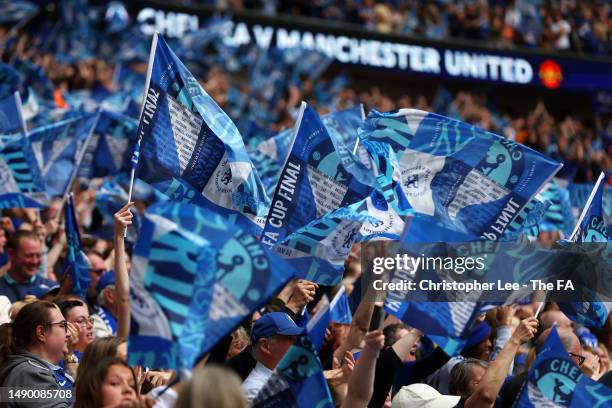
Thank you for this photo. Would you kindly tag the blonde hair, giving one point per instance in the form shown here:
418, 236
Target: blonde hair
17, 306
212, 387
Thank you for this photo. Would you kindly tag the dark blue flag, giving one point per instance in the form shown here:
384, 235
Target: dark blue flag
555, 380
191, 150
76, 260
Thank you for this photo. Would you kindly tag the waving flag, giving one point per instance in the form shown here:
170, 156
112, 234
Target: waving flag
313, 182
195, 277
111, 145
337, 310
59, 149
590, 228
191, 151
11, 121
76, 260
555, 381
474, 180
110, 197
297, 381
21, 182
558, 215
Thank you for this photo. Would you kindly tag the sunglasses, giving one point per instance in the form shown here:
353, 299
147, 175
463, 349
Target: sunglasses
63, 324
579, 357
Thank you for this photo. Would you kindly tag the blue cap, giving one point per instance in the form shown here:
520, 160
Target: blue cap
43, 289
106, 279
272, 324
478, 335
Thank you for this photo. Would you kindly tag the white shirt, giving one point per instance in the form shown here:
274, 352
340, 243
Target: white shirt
167, 399
562, 27
256, 381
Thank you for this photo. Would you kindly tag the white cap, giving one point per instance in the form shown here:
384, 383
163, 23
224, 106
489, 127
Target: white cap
423, 396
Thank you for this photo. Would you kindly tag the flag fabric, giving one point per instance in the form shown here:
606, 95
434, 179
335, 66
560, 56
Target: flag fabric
555, 381
469, 178
58, 149
21, 182
110, 149
16, 10
76, 261
191, 151
10, 81
268, 158
297, 381
340, 311
590, 228
558, 215
195, 277
11, 121
313, 181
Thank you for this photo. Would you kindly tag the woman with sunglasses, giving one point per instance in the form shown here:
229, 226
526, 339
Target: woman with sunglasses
36, 343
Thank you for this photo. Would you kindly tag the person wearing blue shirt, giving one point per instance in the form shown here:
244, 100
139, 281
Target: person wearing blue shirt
25, 254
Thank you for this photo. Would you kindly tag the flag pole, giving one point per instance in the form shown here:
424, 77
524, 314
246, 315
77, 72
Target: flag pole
136, 154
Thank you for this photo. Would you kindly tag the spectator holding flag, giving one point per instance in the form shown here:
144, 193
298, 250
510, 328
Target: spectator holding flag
272, 335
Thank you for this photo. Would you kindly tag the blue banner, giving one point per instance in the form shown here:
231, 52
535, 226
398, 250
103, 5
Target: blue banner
21, 182
195, 277
76, 261
473, 180
591, 226
110, 149
313, 182
191, 151
57, 148
11, 122
10, 82
297, 381
554, 379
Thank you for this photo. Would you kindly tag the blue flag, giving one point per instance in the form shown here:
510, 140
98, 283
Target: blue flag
109, 151
16, 11
59, 148
554, 380
297, 381
11, 121
558, 215
195, 277
110, 197
21, 182
313, 182
340, 310
191, 151
76, 260
473, 180
591, 226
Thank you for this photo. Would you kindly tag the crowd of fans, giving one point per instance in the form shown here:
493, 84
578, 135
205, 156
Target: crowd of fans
51, 339
580, 26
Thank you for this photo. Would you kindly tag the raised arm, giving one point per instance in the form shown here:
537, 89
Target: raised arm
493, 379
123, 218
361, 382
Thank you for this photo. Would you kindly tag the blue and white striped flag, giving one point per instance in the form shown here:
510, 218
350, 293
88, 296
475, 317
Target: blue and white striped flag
190, 149
21, 182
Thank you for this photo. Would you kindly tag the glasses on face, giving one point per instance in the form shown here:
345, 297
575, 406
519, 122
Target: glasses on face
579, 357
82, 321
63, 324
